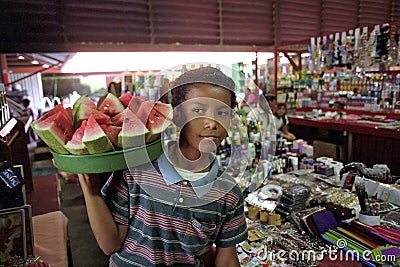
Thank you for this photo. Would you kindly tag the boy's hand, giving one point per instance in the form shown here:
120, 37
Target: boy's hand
226, 257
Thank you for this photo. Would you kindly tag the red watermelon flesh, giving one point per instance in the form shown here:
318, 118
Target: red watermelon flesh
94, 138
125, 99
75, 145
68, 110
111, 105
55, 130
135, 103
164, 109
84, 113
144, 110
82, 100
112, 133
156, 116
57, 108
118, 119
133, 131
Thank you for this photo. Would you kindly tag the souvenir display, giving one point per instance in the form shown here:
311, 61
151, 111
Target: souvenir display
298, 211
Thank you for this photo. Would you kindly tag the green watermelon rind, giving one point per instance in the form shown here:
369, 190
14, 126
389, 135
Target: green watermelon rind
53, 141
128, 141
85, 111
96, 142
98, 145
49, 131
75, 148
110, 98
129, 137
82, 100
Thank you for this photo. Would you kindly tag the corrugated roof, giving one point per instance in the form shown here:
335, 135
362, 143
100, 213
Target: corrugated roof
134, 25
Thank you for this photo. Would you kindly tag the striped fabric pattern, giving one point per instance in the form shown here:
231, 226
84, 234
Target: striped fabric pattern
168, 224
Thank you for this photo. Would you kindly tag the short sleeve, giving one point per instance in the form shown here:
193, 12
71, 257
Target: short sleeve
286, 120
234, 228
116, 194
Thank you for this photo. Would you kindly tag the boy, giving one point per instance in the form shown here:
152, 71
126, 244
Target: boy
172, 211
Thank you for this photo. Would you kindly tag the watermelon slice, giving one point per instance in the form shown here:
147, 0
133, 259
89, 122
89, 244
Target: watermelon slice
54, 110
111, 105
135, 103
75, 145
82, 100
125, 99
118, 119
144, 110
112, 132
94, 138
84, 112
133, 131
55, 130
156, 116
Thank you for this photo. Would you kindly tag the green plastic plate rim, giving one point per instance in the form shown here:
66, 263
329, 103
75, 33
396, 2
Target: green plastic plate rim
109, 161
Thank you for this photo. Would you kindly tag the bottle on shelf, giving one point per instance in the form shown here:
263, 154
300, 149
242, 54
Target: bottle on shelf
127, 84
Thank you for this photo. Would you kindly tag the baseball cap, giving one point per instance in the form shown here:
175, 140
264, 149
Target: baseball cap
208, 75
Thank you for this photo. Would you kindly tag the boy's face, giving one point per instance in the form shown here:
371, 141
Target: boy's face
204, 117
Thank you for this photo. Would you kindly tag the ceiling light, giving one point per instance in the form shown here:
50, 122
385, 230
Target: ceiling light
46, 66
35, 62
21, 57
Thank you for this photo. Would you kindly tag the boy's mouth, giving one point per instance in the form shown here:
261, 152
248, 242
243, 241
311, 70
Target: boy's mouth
209, 136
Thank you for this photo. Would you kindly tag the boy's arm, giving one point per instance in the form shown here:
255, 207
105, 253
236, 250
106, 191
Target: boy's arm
226, 257
108, 233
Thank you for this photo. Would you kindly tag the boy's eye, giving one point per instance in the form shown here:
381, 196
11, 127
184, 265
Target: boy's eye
198, 110
223, 113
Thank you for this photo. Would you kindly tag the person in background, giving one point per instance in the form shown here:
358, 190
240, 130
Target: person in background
262, 114
113, 88
26, 102
178, 210
249, 100
271, 99
282, 122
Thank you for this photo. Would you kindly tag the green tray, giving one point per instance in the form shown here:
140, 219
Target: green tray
109, 161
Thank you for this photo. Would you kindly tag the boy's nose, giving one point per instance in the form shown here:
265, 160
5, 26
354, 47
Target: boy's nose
210, 123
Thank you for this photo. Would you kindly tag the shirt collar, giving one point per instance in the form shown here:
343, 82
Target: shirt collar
200, 187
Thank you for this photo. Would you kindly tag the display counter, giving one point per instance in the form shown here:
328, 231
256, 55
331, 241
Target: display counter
298, 219
371, 142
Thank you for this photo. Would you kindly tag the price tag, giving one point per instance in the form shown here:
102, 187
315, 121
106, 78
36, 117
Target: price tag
8, 127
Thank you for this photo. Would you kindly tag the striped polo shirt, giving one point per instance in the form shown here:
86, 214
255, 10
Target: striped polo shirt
169, 223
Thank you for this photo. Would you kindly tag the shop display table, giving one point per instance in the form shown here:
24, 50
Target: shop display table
365, 141
297, 219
